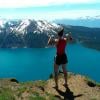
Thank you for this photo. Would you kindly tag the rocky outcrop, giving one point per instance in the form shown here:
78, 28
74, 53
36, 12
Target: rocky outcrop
80, 88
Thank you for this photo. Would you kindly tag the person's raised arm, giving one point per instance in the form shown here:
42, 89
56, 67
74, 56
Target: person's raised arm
51, 40
69, 37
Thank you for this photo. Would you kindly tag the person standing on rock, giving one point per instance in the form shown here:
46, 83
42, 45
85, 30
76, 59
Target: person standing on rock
61, 57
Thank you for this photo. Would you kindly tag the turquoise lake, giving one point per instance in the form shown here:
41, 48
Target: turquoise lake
27, 64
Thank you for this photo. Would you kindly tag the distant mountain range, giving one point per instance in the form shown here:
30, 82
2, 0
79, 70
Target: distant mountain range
26, 33
32, 33
82, 21
89, 37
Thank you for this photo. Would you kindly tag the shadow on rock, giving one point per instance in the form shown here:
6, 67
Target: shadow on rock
68, 95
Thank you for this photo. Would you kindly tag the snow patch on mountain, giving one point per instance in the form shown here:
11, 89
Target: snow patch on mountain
26, 33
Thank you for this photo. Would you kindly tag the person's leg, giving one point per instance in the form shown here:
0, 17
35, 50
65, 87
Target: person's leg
65, 73
56, 67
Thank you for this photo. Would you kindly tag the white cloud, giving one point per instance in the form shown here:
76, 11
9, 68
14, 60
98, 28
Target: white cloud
69, 14
73, 14
28, 3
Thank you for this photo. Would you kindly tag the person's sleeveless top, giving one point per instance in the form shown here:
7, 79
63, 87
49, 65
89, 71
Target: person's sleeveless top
61, 46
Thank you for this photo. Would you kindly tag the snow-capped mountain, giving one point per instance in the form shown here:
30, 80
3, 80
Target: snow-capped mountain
2, 22
26, 33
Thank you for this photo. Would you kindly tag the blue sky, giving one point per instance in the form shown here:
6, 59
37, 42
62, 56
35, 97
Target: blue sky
48, 9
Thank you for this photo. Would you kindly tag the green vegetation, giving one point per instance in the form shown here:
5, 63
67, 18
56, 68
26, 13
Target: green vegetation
91, 82
50, 96
34, 83
40, 83
21, 90
36, 98
98, 84
27, 84
93, 99
6, 94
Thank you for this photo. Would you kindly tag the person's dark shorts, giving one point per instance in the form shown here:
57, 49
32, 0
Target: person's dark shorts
61, 59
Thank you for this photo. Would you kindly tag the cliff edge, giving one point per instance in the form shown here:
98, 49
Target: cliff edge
80, 88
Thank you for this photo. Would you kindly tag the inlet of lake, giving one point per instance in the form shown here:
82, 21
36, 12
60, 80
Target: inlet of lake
26, 64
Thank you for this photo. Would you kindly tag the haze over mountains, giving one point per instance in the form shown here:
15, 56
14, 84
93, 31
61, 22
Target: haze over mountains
81, 21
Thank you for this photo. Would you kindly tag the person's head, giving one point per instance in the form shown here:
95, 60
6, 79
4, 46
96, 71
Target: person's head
60, 34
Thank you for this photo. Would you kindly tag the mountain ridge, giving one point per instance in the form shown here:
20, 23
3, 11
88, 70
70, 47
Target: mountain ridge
26, 33
35, 33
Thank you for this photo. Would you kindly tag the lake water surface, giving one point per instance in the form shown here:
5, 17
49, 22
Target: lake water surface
27, 64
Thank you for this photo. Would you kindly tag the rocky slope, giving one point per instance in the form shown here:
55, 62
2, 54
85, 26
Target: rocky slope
80, 87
